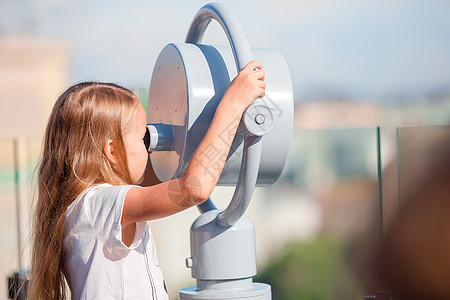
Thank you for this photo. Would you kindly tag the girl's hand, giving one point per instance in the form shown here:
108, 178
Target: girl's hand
246, 87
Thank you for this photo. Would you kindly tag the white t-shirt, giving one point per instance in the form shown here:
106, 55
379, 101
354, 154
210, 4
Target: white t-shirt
98, 265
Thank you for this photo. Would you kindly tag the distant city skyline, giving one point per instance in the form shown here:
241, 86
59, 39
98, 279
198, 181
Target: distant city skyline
348, 47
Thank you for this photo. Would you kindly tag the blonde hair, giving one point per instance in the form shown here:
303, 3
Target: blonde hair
83, 119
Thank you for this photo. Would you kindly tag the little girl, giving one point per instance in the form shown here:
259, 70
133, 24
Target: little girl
89, 220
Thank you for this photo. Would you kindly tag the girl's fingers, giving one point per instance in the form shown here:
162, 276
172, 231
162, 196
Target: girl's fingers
262, 93
253, 65
259, 74
251, 80
262, 84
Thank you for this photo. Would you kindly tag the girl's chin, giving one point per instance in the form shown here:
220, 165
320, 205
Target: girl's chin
140, 180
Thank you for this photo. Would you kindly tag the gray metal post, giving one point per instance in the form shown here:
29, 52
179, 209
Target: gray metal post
222, 244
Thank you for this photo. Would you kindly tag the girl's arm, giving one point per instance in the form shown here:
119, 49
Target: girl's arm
205, 167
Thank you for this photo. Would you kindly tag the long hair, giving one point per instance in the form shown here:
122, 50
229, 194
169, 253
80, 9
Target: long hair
83, 119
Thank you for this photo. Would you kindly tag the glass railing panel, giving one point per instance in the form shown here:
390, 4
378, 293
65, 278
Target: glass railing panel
327, 197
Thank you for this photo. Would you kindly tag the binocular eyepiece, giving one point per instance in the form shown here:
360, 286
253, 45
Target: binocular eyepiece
159, 137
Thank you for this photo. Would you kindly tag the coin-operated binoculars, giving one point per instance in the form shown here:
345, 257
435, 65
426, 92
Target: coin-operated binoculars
188, 82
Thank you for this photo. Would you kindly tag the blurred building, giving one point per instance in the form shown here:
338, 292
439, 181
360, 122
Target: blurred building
330, 114
33, 72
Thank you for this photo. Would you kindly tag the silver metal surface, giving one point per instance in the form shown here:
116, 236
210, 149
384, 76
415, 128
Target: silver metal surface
189, 100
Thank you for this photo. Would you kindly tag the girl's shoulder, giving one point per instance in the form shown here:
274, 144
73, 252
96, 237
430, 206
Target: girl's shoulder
87, 192
99, 198
98, 207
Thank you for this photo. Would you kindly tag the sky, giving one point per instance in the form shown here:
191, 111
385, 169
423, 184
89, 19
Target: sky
371, 48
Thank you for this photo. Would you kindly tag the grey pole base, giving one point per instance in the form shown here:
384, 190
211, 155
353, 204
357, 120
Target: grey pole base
227, 289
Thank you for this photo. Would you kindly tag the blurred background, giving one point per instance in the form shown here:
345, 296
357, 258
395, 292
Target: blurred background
368, 77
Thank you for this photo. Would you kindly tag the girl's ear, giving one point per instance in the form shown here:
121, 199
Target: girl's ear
109, 151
